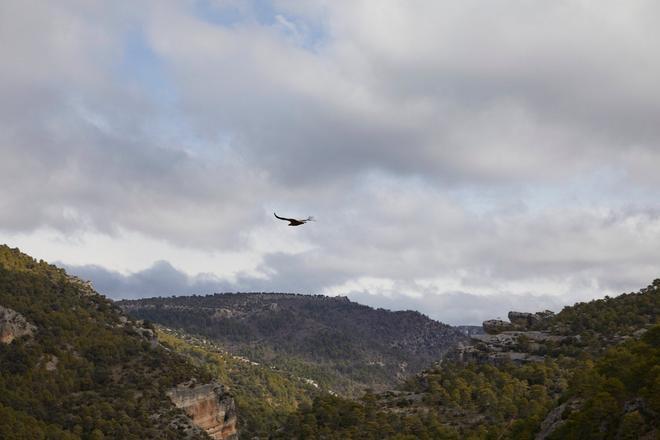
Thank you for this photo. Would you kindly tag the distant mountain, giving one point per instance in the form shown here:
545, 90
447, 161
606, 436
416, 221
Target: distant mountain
590, 372
344, 346
73, 366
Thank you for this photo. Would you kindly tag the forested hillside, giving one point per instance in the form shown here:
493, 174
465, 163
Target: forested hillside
344, 346
72, 366
264, 396
602, 382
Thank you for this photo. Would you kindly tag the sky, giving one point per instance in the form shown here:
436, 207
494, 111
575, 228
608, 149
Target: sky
462, 158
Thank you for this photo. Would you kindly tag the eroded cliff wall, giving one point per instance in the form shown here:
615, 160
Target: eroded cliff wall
209, 406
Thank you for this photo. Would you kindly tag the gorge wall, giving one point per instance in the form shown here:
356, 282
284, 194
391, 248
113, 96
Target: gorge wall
209, 406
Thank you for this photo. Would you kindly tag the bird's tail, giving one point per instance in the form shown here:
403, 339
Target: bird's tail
310, 219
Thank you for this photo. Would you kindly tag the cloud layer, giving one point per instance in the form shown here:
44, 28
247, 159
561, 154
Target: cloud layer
455, 153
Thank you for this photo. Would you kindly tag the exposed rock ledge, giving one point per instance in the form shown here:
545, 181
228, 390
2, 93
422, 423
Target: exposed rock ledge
209, 406
13, 325
513, 340
517, 321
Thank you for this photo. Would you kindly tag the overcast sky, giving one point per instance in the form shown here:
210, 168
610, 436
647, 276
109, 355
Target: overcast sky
462, 158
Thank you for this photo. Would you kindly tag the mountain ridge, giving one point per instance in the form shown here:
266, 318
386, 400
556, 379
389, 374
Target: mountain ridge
354, 346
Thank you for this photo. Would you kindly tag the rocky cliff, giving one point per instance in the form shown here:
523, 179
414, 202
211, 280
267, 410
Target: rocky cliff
209, 406
13, 325
514, 340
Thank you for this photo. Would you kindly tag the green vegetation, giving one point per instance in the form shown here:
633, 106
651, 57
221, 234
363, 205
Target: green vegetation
343, 346
87, 372
608, 390
616, 396
264, 397
452, 402
619, 392
609, 317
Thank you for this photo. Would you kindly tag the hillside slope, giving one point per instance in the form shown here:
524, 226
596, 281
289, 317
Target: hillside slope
264, 396
598, 378
343, 345
73, 366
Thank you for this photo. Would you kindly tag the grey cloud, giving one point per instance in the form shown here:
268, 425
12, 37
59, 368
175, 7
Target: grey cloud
478, 99
303, 273
385, 129
454, 308
461, 308
78, 151
162, 279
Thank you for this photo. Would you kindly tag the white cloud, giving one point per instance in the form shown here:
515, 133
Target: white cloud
501, 149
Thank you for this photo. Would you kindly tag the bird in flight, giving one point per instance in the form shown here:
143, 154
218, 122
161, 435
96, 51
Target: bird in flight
295, 222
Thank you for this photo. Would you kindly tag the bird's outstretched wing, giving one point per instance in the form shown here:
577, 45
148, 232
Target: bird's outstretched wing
284, 218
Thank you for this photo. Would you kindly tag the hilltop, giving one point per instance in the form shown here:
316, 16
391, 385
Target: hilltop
344, 346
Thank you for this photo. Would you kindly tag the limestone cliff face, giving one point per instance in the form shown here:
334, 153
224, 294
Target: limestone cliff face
13, 325
209, 406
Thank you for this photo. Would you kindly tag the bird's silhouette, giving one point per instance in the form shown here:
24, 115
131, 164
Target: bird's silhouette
295, 222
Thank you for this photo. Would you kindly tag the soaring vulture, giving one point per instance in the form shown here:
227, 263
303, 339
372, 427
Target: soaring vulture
293, 221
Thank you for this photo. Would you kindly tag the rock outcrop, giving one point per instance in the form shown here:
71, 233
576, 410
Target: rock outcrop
517, 346
517, 321
525, 320
13, 325
209, 406
495, 326
512, 340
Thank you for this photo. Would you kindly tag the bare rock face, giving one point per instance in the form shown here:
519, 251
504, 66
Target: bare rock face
517, 321
495, 326
525, 320
13, 325
516, 346
209, 406
512, 340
